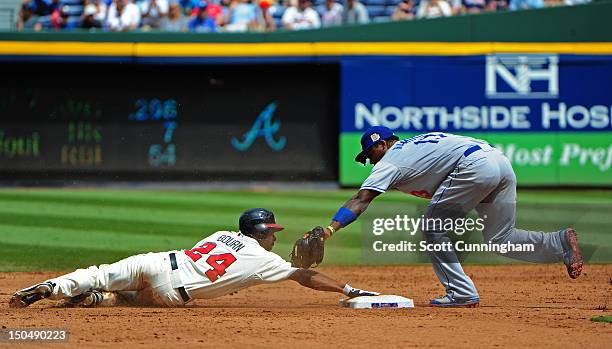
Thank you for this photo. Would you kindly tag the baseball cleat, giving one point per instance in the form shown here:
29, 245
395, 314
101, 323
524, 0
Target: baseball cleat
27, 296
86, 300
450, 302
572, 256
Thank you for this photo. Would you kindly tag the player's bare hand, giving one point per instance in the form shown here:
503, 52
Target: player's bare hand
327, 233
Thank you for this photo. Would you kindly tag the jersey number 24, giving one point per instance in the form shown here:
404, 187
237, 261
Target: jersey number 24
218, 262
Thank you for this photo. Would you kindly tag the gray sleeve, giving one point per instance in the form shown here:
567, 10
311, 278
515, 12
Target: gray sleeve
383, 176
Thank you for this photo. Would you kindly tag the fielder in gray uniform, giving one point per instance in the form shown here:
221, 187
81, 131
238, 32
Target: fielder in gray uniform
458, 174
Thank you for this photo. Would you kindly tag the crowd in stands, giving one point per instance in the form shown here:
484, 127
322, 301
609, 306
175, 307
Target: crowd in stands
245, 15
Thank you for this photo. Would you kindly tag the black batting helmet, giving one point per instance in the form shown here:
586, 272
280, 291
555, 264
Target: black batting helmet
258, 220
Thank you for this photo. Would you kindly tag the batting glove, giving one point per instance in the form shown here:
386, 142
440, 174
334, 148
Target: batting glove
355, 292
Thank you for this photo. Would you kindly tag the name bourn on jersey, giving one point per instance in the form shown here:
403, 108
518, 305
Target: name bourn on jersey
231, 242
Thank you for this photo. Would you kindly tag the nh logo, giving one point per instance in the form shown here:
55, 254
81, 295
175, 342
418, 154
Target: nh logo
525, 76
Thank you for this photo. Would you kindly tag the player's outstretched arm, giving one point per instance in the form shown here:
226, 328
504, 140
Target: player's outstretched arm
320, 282
308, 250
352, 209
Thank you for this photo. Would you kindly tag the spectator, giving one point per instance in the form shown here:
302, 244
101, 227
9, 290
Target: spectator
496, 5
267, 23
525, 4
404, 11
473, 6
202, 23
175, 21
277, 10
215, 10
38, 7
225, 5
62, 22
123, 15
101, 9
53, 8
331, 13
88, 19
26, 18
301, 16
434, 9
456, 7
190, 7
355, 13
576, 2
241, 16
41, 8
153, 11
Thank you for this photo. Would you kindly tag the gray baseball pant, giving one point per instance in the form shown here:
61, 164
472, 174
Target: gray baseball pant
484, 181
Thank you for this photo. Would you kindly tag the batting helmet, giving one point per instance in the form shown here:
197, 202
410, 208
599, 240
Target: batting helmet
258, 220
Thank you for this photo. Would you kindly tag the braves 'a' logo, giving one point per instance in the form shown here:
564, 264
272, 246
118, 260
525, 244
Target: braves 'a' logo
265, 127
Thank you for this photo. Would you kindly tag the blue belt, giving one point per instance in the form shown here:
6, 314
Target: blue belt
471, 150
181, 289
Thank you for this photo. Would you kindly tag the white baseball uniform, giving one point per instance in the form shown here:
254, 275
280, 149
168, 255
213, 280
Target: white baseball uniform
220, 264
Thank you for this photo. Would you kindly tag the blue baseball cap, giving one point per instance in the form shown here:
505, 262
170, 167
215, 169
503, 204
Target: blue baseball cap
371, 136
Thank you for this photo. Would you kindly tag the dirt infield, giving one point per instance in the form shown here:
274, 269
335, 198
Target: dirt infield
521, 306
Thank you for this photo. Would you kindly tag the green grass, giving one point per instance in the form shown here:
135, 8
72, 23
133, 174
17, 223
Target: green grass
61, 229
602, 319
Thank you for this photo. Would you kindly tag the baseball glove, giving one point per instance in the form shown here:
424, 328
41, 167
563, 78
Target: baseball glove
309, 250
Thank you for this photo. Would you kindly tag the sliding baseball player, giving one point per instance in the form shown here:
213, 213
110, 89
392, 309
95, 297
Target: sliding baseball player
223, 263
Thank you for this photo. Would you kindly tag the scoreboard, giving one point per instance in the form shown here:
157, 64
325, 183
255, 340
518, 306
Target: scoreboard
199, 121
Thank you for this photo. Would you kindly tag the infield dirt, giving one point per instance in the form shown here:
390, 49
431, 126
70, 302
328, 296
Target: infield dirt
522, 306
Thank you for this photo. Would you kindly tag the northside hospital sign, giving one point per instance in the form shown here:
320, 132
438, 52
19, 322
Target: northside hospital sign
524, 77
544, 111
493, 117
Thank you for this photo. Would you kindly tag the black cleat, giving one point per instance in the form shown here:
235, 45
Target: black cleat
27, 296
86, 300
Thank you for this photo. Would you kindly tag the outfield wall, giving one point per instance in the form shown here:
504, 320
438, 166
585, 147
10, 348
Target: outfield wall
534, 83
583, 23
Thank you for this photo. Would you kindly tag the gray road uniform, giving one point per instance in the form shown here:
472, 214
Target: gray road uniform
460, 174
